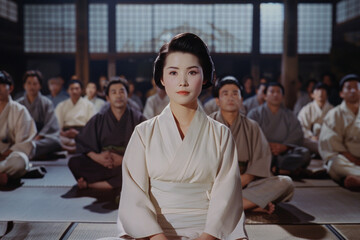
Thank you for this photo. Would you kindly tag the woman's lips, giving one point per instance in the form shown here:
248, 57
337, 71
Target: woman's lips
182, 92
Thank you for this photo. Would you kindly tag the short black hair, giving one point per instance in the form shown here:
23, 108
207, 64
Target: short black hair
275, 84
347, 78
224, 81
33, 73
5, 78
186, 43
73, 81
320, 85
117, 80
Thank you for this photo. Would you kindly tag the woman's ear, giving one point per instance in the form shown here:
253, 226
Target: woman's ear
162, 82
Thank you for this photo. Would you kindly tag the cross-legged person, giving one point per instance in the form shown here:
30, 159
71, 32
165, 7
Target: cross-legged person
339, 142
103, 140
283, 132
260, 188
17, 129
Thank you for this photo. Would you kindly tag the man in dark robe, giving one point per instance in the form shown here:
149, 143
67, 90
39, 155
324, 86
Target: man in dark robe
103, 140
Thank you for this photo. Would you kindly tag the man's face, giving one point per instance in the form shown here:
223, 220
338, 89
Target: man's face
90, 90
74, 91
55, 87
117, 96
351, 91
274, 96
5, 91
32, 86
319, 95
229, 98
102, 82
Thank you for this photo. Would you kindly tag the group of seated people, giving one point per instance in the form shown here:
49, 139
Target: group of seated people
273, 144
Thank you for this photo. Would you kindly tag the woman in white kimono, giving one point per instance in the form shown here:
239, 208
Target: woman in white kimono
180, 173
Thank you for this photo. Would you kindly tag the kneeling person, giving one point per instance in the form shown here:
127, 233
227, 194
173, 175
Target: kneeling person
103, 140
260, 188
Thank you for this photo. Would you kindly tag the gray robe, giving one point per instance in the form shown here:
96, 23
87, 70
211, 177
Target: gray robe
283, 127
254, 158
42, 111
251, 103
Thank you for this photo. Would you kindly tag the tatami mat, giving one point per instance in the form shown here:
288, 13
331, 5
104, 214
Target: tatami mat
315, 183
323, 205
57, 162
61, 204
36, 231
348, 231
93, 231
285, 232
56, 176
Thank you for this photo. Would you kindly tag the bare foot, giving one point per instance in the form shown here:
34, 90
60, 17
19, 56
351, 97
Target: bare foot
82, 184
269, 209
352, 182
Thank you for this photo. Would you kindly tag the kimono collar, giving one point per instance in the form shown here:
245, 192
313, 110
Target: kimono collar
345, 108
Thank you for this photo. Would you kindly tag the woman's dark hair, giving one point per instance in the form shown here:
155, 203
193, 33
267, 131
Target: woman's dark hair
33, 73
117, 80
186, 43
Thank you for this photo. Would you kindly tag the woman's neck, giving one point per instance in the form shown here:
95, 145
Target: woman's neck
183, 115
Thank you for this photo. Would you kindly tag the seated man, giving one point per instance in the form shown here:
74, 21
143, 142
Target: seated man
72, 115
156, 103
339, 141
283, 132
57, 93
311, 116
17, 129
91, 90
41, 110
260, 188
103, 140
256, 100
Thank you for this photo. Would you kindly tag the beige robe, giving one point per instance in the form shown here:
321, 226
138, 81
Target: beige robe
154, 105
254, 158
98, 103
181, 187
340, 132
69, 114
311, 117
17, 129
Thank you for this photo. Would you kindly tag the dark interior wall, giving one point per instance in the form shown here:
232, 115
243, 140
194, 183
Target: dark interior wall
11, 48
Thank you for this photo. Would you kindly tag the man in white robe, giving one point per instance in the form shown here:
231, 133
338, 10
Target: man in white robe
260, 188
72, 115
91, 95
311, 116
47, 139
339, 142
283, 132
17, 129
155, 103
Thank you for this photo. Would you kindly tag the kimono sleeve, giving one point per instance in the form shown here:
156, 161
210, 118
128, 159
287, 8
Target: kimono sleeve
305, 122
51, 124
295, 135
25, 131
225, 208
88, 138
137, 215
331, 139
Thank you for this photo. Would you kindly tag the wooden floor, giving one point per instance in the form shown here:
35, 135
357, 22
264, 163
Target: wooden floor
53, 208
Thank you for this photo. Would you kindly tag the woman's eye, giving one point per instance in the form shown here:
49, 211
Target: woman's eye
172, 73
193, 72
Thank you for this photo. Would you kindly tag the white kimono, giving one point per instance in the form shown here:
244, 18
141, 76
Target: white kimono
98, 103
340, 132
17, 129
181, 187
70, 115
154, 105
311, 117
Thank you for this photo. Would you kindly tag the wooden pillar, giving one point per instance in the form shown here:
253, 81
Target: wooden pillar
112, 39
255, 62
289, 65
82, 41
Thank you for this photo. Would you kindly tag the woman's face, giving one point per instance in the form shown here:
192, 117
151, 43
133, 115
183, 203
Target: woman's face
182, 78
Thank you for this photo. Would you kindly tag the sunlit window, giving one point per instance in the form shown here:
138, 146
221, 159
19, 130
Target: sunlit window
98, 28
